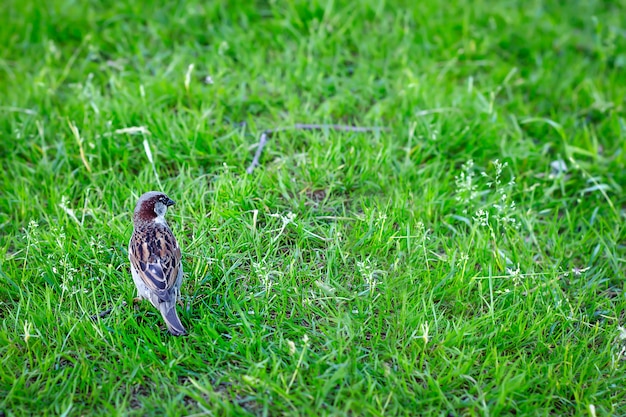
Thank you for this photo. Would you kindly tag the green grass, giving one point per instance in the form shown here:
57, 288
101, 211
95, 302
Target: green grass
404, 281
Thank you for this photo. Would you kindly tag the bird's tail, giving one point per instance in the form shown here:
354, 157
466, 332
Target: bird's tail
168, 311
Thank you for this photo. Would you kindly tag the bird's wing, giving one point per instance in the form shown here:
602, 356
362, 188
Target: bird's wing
156, 256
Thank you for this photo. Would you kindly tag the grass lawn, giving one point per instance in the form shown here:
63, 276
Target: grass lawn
468, 260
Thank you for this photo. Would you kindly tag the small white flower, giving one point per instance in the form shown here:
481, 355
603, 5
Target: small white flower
622, 333
223, 48
463, 258
515, 274
292, 347
482, 217
286, 220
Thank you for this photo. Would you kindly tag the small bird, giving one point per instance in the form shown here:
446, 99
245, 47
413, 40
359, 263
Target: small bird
155, 258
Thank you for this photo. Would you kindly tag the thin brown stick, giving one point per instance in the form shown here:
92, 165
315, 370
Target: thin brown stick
265, 135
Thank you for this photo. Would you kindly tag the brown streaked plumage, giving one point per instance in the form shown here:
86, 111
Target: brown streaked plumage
155, 258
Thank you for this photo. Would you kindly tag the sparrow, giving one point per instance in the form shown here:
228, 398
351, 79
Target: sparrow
155, 258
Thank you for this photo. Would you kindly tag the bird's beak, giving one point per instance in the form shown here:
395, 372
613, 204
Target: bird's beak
170, 202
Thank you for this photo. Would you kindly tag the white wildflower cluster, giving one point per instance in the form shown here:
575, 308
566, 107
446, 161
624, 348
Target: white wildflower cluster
265, 275
286, 220
463, 259
482, 218
370, 275
291, 345
515, 274
31, 234
299, 364
32, 225
67, 273
466, 187
61, 267
505, 208
97, 245
422, 232
476, 195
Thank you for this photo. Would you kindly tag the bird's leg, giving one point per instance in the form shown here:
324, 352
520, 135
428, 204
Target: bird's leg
105, 313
